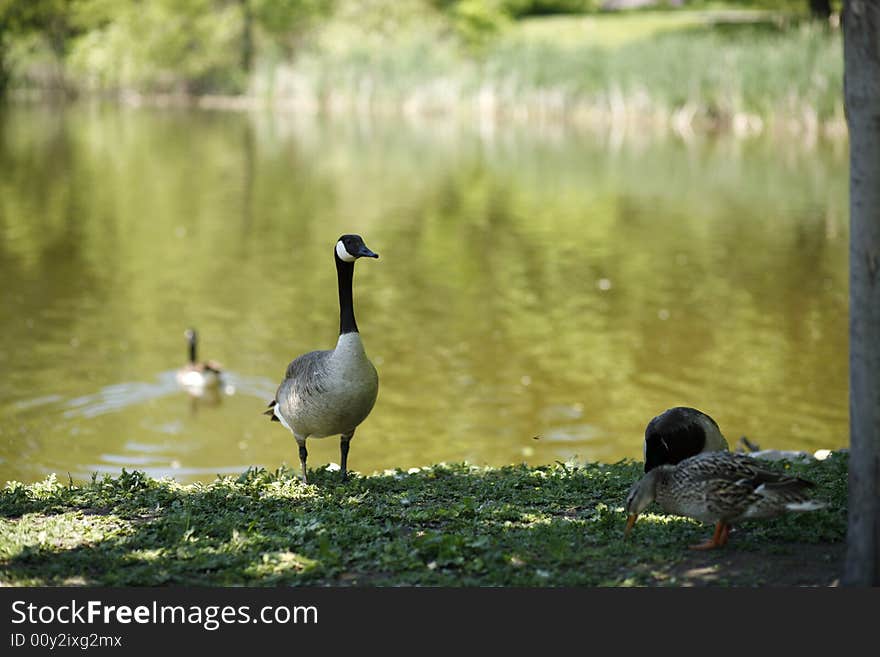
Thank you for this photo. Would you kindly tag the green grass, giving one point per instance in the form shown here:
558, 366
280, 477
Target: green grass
620, 29
454, 525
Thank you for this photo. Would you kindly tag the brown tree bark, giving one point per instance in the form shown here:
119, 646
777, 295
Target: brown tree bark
862, 98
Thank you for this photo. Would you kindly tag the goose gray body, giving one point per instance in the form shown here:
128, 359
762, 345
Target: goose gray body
330, 392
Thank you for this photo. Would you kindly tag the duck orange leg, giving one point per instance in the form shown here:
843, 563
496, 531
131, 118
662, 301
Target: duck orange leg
719, 538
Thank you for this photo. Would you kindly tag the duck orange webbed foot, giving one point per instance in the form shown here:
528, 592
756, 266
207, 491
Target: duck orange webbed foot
719, 538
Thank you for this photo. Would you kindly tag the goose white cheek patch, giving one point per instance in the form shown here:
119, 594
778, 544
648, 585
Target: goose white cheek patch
344, 255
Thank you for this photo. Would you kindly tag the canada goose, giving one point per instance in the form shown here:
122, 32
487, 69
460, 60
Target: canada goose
678, 433
197, 376
718, 487
330, 392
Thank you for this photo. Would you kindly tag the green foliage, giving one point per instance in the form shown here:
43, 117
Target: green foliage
477, 22
283, 22
33, 33
440, 525
280, 17
163, 46
195, 46
520, 8
53, 18
57, 22
468, 51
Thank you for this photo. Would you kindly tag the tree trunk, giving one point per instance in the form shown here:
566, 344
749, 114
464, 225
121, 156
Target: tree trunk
862, 98
247, 36
820, 9
4, 73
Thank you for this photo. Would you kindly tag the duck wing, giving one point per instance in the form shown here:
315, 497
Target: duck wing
735, 486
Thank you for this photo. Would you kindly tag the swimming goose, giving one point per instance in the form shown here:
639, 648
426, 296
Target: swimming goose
679, 433
197, 376
329, 393
719, 487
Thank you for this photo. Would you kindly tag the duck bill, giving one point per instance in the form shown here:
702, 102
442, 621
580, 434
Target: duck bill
630, 521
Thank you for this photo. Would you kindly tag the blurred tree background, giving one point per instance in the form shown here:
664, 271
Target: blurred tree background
594, 118
552, 55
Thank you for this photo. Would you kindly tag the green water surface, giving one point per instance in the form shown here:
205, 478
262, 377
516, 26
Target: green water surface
540, 295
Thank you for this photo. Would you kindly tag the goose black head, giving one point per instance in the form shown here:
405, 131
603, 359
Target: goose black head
351, 247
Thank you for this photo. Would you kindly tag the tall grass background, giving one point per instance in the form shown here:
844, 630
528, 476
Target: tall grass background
745, 71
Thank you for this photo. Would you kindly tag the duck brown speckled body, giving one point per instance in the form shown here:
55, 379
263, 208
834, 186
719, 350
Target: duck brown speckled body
719, 487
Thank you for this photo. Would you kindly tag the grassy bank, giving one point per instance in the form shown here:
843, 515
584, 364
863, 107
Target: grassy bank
440, 525
745, 71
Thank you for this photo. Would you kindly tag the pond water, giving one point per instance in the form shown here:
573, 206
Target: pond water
541, 294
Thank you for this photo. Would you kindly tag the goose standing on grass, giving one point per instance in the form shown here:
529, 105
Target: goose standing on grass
196, 377
329, 393
679, 433
719, 487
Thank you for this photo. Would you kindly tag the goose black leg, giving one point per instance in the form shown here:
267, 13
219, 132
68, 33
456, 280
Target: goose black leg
344, 443
303, 454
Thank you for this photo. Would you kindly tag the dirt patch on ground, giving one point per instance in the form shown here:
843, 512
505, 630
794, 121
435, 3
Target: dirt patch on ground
800, 564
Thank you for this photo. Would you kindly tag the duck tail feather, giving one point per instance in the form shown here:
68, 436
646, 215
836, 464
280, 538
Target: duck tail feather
809, 505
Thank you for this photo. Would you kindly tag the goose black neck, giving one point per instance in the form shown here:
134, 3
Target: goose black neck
192, 350
344, 275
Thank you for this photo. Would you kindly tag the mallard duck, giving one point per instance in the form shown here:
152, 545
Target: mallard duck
719, 487
197, 376
679, 433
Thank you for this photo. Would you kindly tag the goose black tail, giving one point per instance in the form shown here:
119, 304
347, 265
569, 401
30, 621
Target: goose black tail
271, 412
